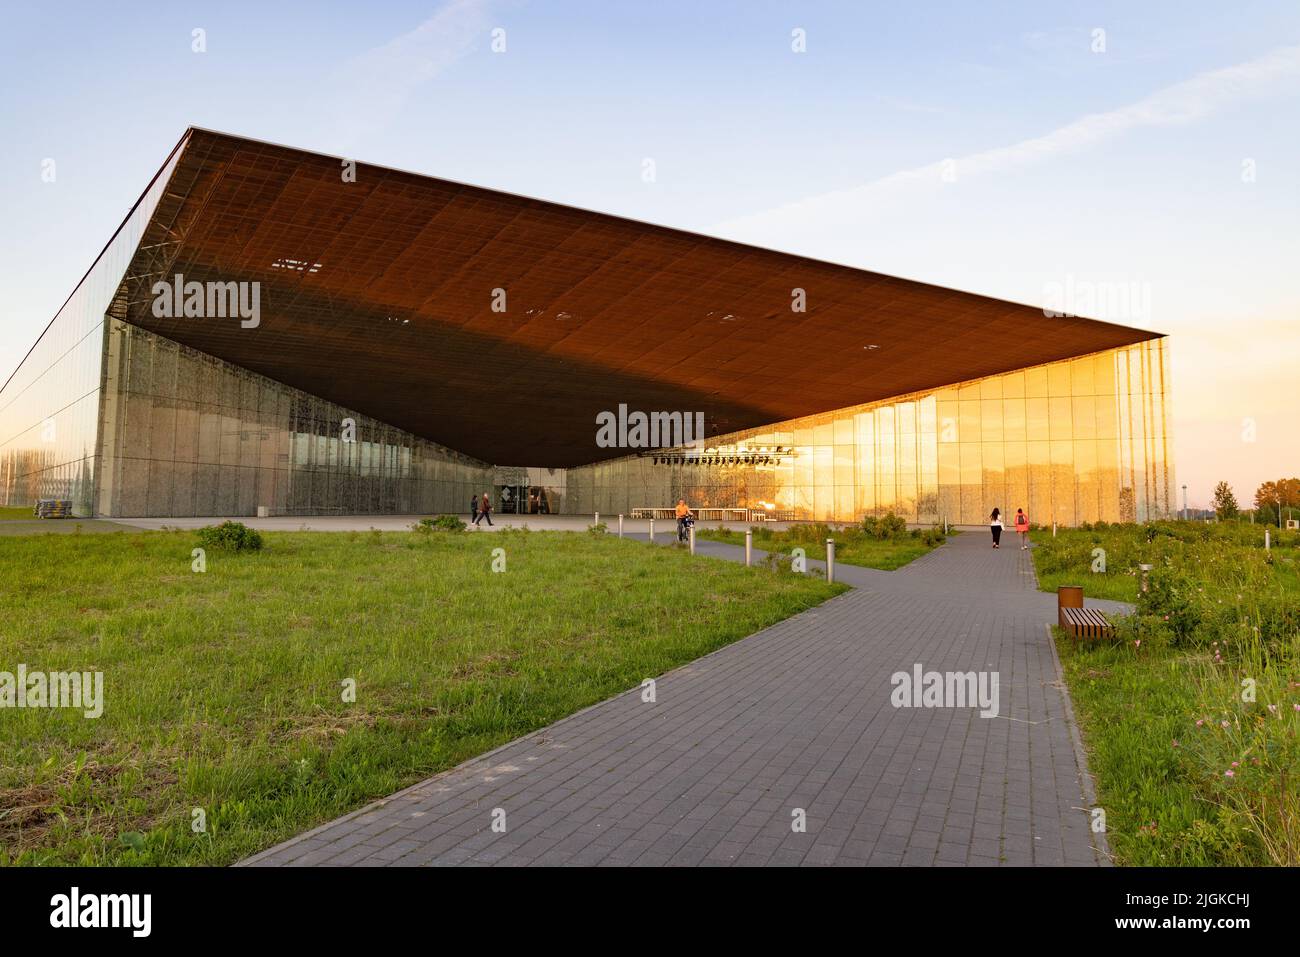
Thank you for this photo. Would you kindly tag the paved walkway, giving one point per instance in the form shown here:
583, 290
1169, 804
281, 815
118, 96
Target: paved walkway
402, 523
795, 718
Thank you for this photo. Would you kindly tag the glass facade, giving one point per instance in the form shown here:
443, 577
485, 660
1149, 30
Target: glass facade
49, 408
124, 422
188, 434
1073, 441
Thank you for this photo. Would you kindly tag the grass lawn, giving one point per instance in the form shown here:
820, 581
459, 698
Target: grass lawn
1070, 558
8, 514
851, 547
224, 690
1191, 718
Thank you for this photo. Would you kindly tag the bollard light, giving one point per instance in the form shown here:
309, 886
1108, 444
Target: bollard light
620, 524
692, 535
652, 531
830, 560
1145, 569
749, 547
597, 521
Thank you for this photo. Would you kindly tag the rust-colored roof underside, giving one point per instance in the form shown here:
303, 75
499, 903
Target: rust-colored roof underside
397, 322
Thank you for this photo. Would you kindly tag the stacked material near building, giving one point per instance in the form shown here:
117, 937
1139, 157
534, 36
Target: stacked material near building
53, 508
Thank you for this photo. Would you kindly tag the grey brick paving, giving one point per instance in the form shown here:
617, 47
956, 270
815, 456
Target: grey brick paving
797, 716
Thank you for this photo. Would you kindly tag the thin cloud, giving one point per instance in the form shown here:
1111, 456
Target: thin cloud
1181, 103
378, 83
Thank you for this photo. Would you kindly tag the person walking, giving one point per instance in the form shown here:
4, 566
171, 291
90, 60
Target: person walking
1022, 528
484, 508
995, 525
473, 509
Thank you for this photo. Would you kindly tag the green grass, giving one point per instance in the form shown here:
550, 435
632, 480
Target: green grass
223, 690
851, 547
28, 525
1070, 558
1191, 717
8, 514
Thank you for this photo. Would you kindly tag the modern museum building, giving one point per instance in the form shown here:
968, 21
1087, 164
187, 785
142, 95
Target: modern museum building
273, 331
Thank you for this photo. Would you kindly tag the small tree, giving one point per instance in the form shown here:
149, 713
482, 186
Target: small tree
1225, 503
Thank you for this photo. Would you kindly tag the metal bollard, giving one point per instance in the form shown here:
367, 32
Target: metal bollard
830, 560
620, 524
1145, 569
652, 531
749, 547
597, 521
1053, 528
692, 534
1266, 541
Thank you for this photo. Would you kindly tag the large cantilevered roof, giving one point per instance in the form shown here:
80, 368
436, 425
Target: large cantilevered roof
378, 294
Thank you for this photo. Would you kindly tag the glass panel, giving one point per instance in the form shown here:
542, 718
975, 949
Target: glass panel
1072, 441
276, 447
50, 407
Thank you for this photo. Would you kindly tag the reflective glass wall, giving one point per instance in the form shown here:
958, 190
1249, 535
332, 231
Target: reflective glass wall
49, 408
188, 434
1073, 441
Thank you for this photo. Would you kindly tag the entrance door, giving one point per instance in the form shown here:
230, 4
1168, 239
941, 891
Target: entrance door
508, 497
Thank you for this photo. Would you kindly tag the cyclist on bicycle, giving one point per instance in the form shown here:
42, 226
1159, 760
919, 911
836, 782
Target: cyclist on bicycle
683, 519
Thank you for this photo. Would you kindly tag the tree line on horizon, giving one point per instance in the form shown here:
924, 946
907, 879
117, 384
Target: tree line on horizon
1273, 501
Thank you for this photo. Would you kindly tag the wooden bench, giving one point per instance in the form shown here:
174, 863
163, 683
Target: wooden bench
1086, 623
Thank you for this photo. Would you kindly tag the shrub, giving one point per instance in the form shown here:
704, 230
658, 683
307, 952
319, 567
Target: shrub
933, 537
883, 528
1171, 598
230, 537
443, 523
598, 529
776, 563
812, 533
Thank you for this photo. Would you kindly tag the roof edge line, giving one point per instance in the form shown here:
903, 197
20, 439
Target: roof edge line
125, 219
1151, 334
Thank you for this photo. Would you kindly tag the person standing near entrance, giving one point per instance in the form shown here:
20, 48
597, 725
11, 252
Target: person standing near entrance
484, 508
1022, 528
995, 525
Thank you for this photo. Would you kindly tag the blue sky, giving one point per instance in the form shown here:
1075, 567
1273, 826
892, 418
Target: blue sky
980, 146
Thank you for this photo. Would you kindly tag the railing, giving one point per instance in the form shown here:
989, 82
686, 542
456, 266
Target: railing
712, 514
722, 514
654, 513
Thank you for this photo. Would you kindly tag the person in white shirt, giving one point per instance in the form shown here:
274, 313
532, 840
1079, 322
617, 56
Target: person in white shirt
995, 525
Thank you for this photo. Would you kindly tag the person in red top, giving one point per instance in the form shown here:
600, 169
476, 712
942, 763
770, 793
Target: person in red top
1022, 528
484, 508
